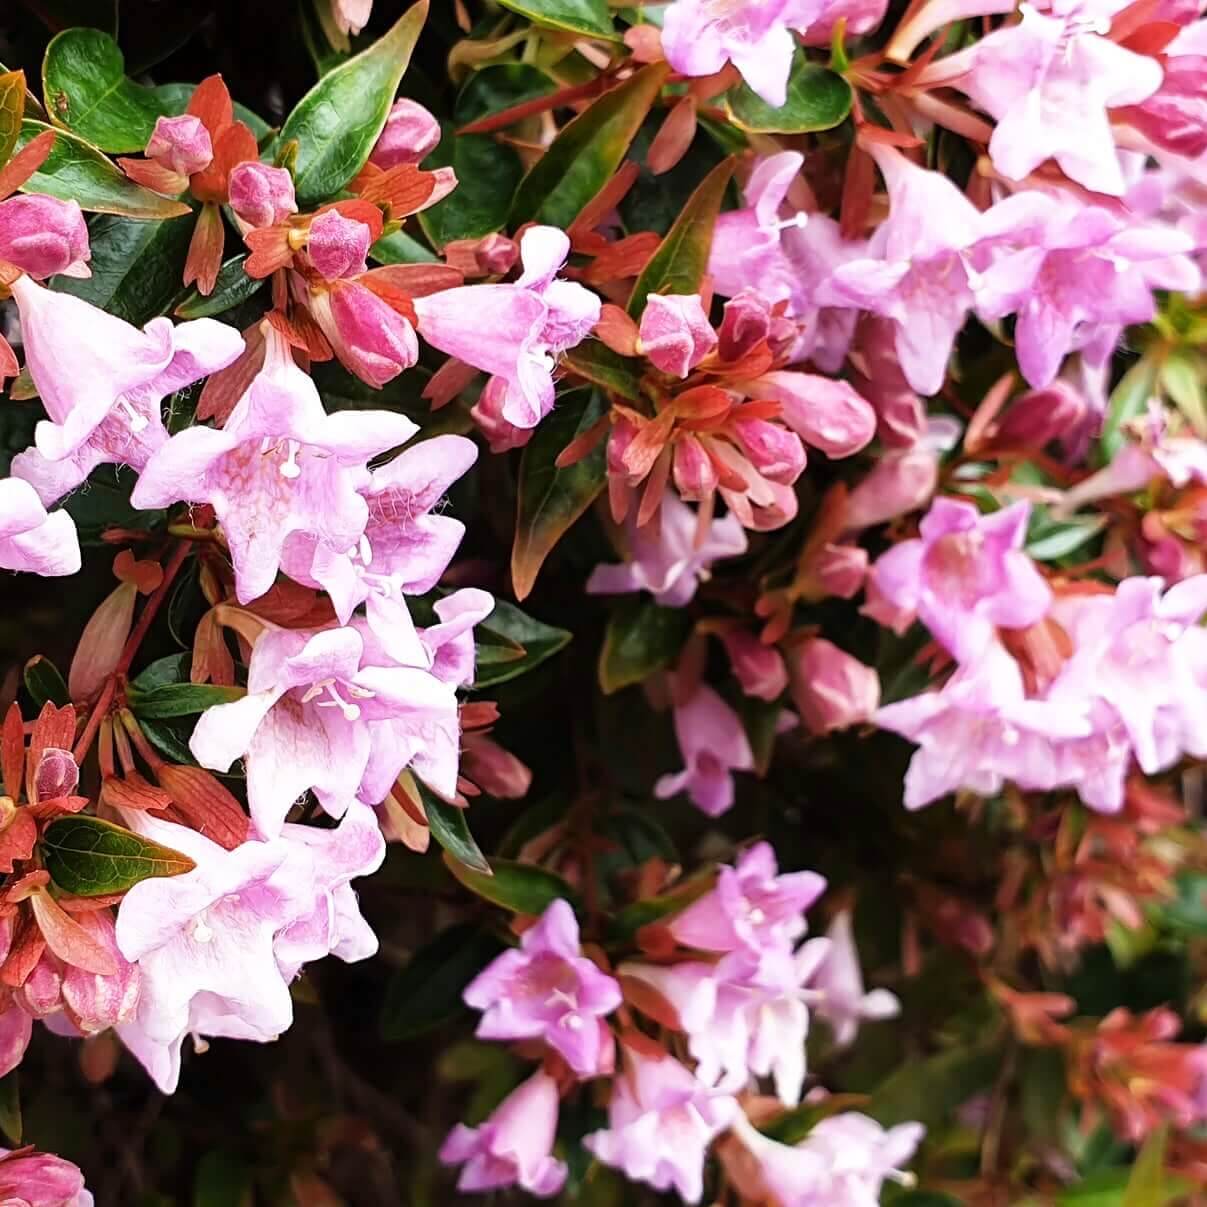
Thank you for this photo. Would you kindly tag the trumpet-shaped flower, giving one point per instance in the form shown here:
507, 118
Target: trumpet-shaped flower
30, 539
713, 744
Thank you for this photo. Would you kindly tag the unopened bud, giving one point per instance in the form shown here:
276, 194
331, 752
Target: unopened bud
410, 135
181, 144
831, 689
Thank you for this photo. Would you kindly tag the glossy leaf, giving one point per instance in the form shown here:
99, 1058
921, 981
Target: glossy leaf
12, 105
337, 122
175, 100
641, 638
44, 682
510, 643
551, 499
522, 888
607, 369
85, 87
76, 171
426, 991
182, 699
818, 99
679, 264
136, 267
232, 288
93, 858
451, 830
589, 17
401, 248
586, 152
1059, 539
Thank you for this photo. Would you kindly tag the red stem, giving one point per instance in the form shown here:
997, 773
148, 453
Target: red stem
541, 104
153, 605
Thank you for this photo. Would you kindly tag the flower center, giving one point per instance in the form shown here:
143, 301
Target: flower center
329, 689
136, 421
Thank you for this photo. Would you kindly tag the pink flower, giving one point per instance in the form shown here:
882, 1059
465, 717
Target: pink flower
101, 381
501, 435
338, 245
966, 575
547, 989
514, 1147
837, 986
351, 16
34, 1179
369, 336
180, 144
713, 744
675, 332
759, 668
831, 689
307, 721
410, 136
515, 332
44, 236
261, 195
1174, 118
666, 559
30, 539
279, 466
825, 413
660, 1123
94, 1003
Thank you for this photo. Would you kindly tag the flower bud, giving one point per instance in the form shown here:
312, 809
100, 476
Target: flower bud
1175, 116
101, 643
492, 255
757, 667
370, 338
496, 771
774, 451
1041, 416
97, 1003
56, 775
411, 134
338, 245
180, 144
900, 482
501, 435
831, 689
261, 195
746, 322
695, 474
44, 236
900, 413
841, 569
827, 414
675, 332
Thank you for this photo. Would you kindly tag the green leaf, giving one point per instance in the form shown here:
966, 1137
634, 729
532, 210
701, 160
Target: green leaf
1127, 400
1186, 914
586, 153
401, 248
551, 499
641, 638
929, 1090
337, 122
574, 16
1057, 540
607, 369
679, 264
232, 288
1146, 1187
653, 909
817, 100
450, 829
426, 991
92, 858
76, 171
163, 671
44, 683
511, 643
182, 699
12, 105
10, 1107
169, 740
224, 1179
1182, 380
85, 88
522, 888
136, 267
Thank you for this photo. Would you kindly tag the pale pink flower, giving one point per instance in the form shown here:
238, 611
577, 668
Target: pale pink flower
34, 1179
32, 540
713, 745
758, 667
831, 689
836, 986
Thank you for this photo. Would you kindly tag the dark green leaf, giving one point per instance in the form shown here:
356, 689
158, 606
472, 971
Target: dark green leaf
76, 171
1186, 914
450, 829
44, 683
522, 888
607, 369
586, 152
641, 638
818, 99
170, 739
929, 1090
136, 267
531, 640
337, 122
182, 699
224, 1179
679, 264
760, 719
232, 288
162, 672
551, 499
10, 1107
85, 88
426, 991
589, 17
499, 86
92, 858
104, 502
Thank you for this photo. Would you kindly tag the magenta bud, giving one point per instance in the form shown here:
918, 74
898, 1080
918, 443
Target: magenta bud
411, 134
1041, 416
825, 413
338, 245
745, 322
757, 667
501, 434
831, 689
695, 474
496, 254
180, 144
841, 569
675, 333
56, 775
775, 452
44, 236
370, 338
261, 195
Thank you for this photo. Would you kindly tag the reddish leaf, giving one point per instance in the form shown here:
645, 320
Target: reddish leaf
8, 362
397, 299
133, 792
205, 250
616, 329
17, 839
418, 280
211, 102
673, 139
154, 176
68, 939
26, 162
24, 954
270, 250
224, 388
209, 807
235, 145
12, 751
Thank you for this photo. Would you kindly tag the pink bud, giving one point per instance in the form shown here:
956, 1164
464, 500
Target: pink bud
900, 482
501, 434
40, 1180
261, 195
492, 255
695, 474
746, 321
675, 332
757, 667
774, 451
181, 144
338, 245
370, 338
830, 688
841, 569
496, 771
101, 643
411, 134
44, 236
827, 414
97, 1003
56, 775
1175, 116
1041, 416
900, 413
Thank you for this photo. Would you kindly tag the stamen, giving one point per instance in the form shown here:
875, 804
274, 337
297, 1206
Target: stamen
798, 221
351, 711
137, 422
290, 467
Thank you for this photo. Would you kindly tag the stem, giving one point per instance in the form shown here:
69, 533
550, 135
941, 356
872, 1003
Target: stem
540, 104
99, 711
153, 605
